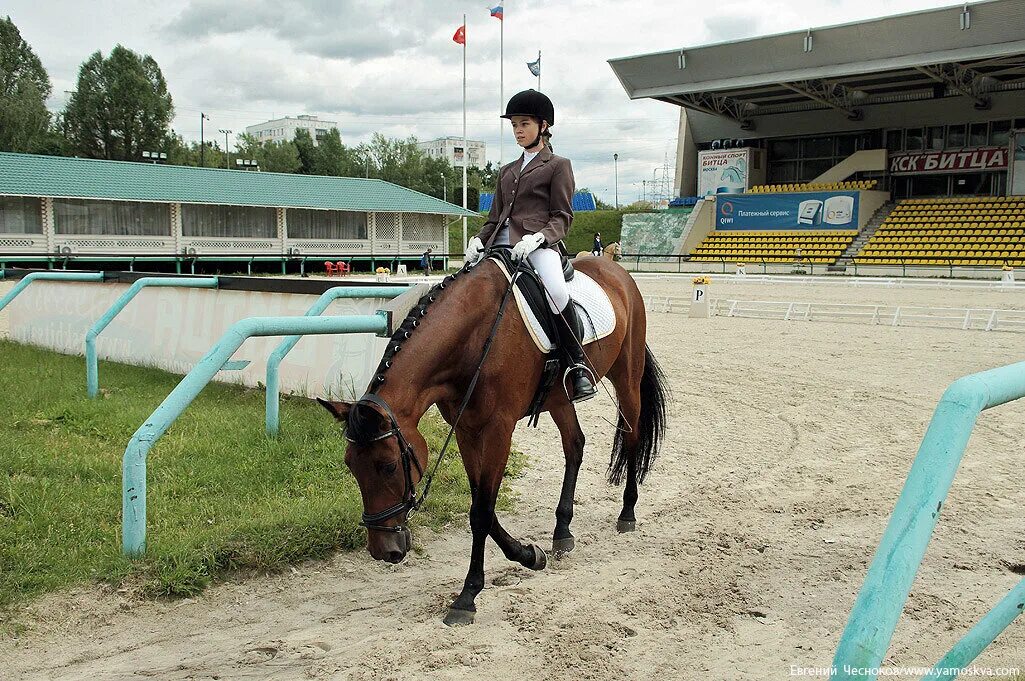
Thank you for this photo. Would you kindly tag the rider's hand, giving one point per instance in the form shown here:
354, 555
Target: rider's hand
474, 251
527, 245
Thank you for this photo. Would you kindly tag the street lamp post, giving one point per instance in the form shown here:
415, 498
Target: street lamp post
615, 160
227, 154
202, 141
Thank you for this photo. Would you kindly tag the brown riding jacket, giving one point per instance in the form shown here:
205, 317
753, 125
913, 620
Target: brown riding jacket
538, 200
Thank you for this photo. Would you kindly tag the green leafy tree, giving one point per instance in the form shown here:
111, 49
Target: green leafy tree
307, 152
120, 108
24, 87
271, 156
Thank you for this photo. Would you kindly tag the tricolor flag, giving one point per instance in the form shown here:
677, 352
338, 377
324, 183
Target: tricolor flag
497, 12
460, 36
535, 66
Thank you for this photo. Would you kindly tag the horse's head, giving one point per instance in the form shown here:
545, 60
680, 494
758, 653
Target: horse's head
387, 471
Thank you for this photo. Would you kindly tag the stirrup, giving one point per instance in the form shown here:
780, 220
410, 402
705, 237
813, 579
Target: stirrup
593, 378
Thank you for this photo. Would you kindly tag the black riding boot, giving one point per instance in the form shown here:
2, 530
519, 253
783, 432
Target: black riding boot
579, 386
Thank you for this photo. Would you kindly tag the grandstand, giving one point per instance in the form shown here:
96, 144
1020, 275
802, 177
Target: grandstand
917, 120
951, 231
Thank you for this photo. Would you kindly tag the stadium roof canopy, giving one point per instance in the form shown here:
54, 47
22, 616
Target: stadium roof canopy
56, 176
970, 52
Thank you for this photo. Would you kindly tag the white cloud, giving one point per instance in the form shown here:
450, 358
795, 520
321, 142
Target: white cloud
390, 66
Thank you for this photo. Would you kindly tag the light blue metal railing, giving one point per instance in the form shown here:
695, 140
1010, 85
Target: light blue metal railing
322, 303
877, 609
47, 276
133, 486
92, 378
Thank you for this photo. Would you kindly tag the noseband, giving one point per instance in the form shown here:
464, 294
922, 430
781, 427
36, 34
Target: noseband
409, 503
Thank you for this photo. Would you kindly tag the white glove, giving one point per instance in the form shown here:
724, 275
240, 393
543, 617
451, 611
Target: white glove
527, 245
474, 251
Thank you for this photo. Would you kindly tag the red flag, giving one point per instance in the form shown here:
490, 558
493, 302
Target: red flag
460, 36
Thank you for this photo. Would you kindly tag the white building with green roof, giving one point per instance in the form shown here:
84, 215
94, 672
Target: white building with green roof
83, 209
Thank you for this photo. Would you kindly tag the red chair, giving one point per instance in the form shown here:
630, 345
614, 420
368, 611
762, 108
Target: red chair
342, 268
330, 268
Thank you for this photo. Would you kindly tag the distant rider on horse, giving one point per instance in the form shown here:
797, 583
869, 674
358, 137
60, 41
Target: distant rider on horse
533, 209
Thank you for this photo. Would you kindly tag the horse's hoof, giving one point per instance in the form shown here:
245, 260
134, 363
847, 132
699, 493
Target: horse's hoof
626, 525
540, 558
560, 547
459, 618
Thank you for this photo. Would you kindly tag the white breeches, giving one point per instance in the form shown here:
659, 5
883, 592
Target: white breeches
548, 264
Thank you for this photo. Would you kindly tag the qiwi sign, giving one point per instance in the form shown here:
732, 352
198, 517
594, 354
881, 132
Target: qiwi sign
961, 160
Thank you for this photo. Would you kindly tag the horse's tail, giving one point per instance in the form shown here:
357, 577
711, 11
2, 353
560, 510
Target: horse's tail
651, 425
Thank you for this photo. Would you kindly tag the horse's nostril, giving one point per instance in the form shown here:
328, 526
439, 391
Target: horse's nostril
395, 556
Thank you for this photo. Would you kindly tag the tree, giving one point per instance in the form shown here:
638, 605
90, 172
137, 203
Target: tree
271, 156
120, 108
24, 87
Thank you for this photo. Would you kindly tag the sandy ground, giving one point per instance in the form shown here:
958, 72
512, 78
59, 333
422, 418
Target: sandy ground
788, 445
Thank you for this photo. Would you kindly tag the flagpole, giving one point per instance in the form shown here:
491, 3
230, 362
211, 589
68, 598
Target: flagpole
501, 88
466, 154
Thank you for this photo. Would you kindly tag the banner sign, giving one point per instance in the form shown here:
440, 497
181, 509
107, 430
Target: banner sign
958, 160
722, 171
804, 210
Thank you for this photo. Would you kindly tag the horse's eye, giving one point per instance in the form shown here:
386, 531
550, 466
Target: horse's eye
386, 468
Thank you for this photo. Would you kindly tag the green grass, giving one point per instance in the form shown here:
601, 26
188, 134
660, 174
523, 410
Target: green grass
221, 496
581, 234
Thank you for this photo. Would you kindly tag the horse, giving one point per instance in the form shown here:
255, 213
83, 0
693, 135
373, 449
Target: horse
611, 252
433, 359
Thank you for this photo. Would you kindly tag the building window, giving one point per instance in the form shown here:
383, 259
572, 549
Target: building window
229, 221
306, 223
21, 215
783, 150
894, 140
117, 218
913, 139
934, 138
955, 136
977, 136
817, 147
1000, 133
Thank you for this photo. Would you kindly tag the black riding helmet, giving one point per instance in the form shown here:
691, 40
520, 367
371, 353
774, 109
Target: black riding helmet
531, 103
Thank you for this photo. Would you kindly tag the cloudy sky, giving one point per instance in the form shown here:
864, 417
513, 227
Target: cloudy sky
390, 66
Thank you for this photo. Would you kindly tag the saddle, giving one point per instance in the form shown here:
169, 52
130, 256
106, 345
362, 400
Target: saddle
540, 321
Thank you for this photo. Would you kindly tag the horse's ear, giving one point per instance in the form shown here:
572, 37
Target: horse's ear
340, 410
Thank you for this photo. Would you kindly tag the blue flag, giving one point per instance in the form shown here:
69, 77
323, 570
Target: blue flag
535, 66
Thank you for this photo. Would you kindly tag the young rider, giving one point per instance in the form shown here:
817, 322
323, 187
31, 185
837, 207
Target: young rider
532, 211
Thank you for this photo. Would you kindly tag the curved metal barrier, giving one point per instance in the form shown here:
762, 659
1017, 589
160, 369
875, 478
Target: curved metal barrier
133, 486
274, 361
47, 276
877, 609
92, 380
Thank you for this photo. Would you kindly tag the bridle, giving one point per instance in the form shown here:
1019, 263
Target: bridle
411, 503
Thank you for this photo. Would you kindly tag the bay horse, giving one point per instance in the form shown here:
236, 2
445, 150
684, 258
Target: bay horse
433, 359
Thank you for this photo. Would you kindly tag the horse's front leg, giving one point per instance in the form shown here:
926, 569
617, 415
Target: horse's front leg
485, 455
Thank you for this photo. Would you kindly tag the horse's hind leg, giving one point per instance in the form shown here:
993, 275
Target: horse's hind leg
565, 417
626, 441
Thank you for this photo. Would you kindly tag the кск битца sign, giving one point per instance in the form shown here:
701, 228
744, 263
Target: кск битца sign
959, 160
803, 210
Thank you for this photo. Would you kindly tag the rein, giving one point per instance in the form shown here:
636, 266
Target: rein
410, 503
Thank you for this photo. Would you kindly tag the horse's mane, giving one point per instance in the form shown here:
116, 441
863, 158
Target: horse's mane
364, 421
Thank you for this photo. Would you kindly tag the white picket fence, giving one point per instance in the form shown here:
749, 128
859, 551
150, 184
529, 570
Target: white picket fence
979, 319
855, 282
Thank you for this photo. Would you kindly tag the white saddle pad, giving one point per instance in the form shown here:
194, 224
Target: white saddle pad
599, 321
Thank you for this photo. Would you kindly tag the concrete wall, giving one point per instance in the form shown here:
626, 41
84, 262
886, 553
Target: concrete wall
859, 161
868, 203
686, 183
172, 329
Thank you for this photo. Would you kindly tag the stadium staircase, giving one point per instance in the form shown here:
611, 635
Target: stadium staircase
950, 231
863, 236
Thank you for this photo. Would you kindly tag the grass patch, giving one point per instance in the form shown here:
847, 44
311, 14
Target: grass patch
221, 496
